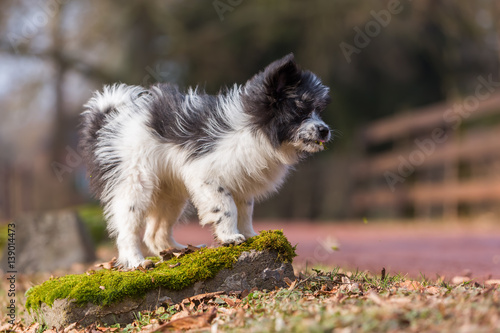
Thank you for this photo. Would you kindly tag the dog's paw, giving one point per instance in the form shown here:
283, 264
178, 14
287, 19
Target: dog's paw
232, 239
130, 262
250, 234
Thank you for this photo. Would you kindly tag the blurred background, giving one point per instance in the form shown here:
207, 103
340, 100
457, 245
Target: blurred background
415, 90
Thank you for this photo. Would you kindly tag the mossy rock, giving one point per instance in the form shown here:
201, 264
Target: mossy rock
111, 296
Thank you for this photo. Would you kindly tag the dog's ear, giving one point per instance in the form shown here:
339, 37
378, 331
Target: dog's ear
281, 77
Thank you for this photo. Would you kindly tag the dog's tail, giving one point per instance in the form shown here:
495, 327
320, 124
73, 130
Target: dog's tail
98, 130
103, 105
112, 97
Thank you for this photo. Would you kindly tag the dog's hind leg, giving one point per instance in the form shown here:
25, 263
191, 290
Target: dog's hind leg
165, 212
125, 209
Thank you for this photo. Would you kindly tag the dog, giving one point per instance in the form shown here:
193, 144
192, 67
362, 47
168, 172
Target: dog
150, 150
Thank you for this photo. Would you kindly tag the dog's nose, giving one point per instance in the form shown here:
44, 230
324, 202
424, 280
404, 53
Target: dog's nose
323, 131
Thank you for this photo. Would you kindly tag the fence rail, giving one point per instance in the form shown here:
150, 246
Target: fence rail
407, 169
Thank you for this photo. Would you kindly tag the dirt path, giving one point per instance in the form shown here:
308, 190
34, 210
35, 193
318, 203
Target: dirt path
413, 249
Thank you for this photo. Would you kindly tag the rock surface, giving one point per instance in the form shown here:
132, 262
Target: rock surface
49, 241
260, 269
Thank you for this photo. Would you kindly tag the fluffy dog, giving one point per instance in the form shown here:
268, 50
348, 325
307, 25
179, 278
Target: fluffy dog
149, 151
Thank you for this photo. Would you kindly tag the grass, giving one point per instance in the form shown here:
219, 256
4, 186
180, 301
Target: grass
322, 301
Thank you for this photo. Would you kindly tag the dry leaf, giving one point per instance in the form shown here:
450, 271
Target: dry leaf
492, 282
287, 281
192, 248
70, 327
147, 264
190, 322
202, 297
107, 265
5, 327
174, 265
375, 298
459, 279
167, 254
411, 285
432, 290
244, 293
179, 315
229, 301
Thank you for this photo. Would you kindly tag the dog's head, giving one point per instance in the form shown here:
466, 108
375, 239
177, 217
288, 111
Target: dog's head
286, 102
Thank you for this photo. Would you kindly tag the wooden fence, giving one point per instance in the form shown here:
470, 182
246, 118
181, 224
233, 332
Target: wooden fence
442, 160
32, 187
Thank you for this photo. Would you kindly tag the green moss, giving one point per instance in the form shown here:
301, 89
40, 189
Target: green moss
105, 287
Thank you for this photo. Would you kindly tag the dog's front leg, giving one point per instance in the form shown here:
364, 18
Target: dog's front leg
215, 204
245, 212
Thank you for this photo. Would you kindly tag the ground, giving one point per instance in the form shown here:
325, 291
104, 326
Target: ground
411, 248
425, 286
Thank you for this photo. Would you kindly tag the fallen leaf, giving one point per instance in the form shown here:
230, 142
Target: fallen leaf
167, 254
178, 315
373, 296
244, 293
201, 297
432, 290
5, 327
102, 287
287, 281
190, 322
174, 265
107, 265
229, 301
147, 264
411, 285
192, 306
192, 248
70, 327
492, 282
165, 300
459, 279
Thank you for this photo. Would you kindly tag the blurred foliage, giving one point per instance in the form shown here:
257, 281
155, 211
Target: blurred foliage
93, 219
429, 51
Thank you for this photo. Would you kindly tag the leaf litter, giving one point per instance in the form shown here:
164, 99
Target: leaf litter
323, 301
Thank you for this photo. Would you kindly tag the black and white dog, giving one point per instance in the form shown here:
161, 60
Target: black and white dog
149, 151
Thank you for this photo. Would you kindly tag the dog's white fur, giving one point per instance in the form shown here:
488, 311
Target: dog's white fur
151, 180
